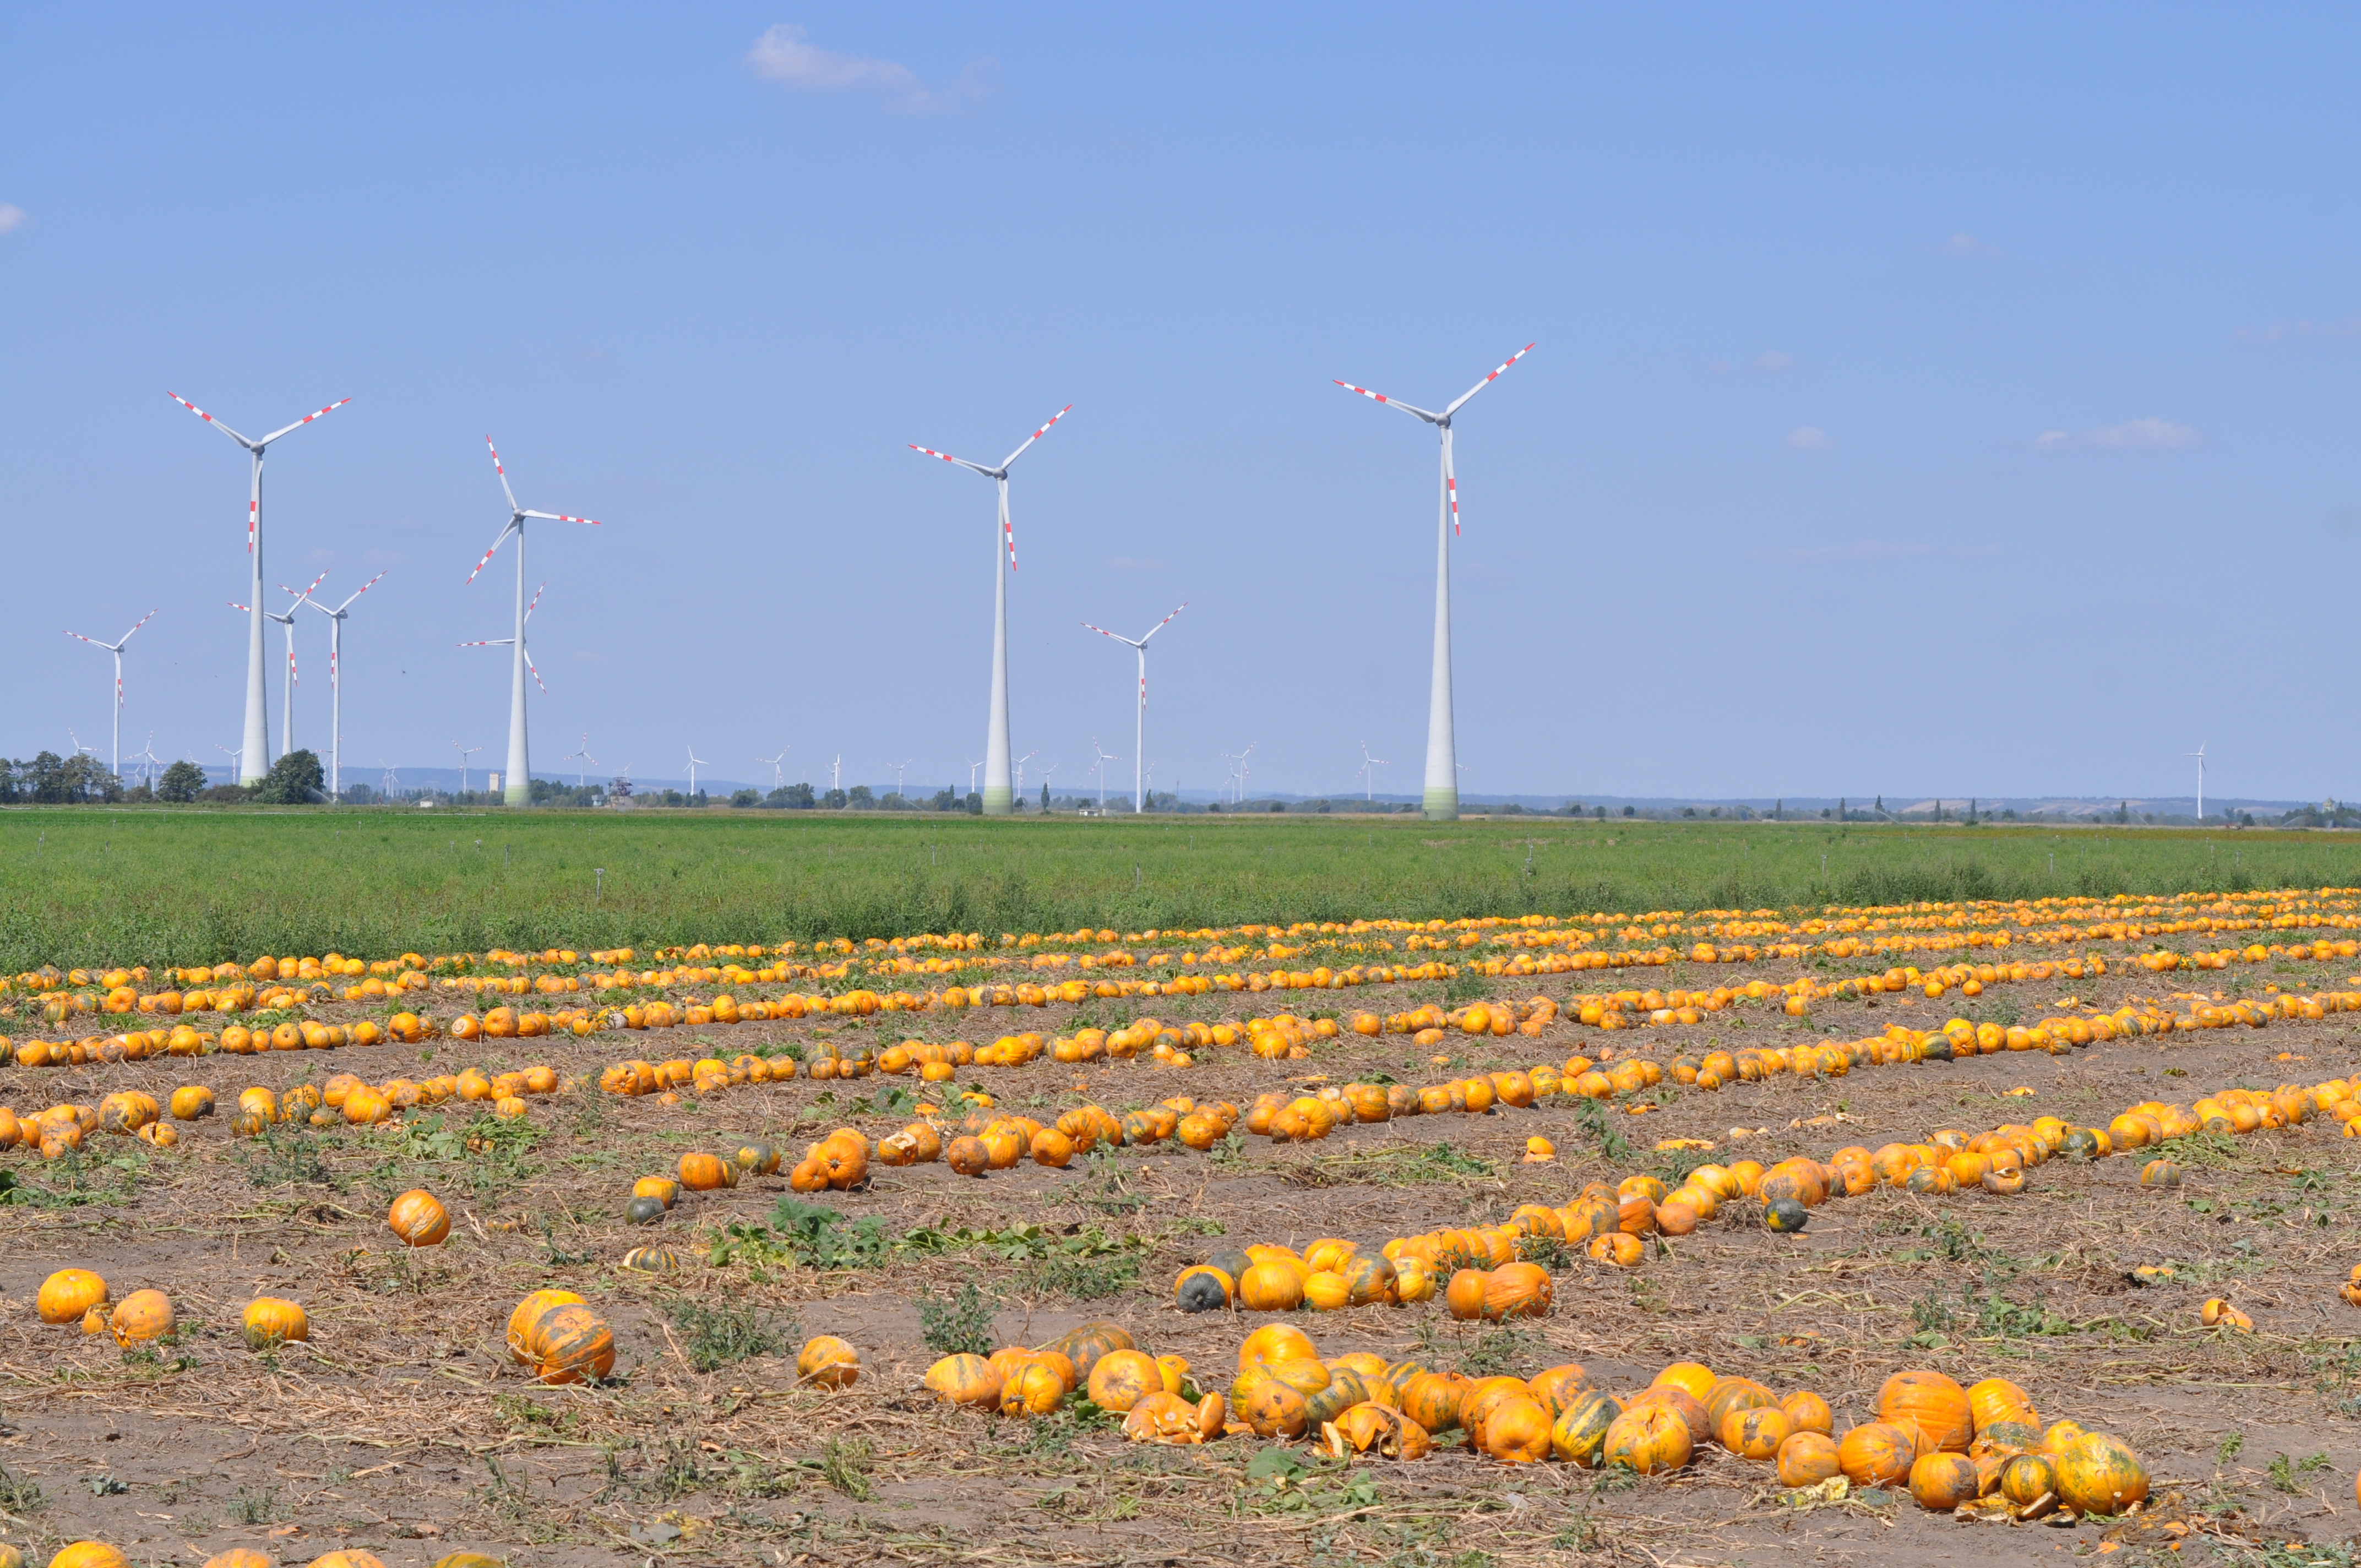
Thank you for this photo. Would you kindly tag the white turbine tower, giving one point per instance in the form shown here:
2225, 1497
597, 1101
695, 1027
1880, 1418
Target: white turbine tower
972, 765
694, 759
1020, 772
899, 769
465, 753
235, 756
778, 778
519, 783
999, 795
516, 711
1139, 720
287, 700
115, 763
150, 757
2200, 755
336, 619
582, 773
258, 720
1099, 767
1442, 774
1369, 775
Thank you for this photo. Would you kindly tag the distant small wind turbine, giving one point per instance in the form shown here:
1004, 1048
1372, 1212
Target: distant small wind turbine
693, 760
778, 779
465, 753
116, 648
1368, 778
582, 773
1139, 723
336, 619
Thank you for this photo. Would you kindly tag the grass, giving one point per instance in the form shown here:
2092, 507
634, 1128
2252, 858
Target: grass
714, 1336
157, 885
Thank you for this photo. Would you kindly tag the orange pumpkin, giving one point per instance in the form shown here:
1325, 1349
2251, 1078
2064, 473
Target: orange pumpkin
2100, 1474
1271, 1288
1695, 1376
69, 1294
1031, 1389
1432, 1400
1123, 1378
965, 1381
1757, 1432
526, 1314
1580, 1431
269, 1322
1392, 1434
1931, 1405
827, 1362
1807, 1459
1941, 1481
1876, 1453
418, 1217
1810, 1413
1465, 1294
1517, 1430
1648, 1439
1998, 1399
2028, 1479
1273, 1410
143, 1315
1278, 1342
571, 1345
1515, 1290
1559, 1386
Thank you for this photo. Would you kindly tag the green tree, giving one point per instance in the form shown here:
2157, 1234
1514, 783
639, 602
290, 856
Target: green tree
181, 782
295, 779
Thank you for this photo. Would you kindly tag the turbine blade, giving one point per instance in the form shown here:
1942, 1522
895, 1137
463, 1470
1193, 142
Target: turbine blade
536, 673
143, 620
560, 517
536, 598
504, 473
1117, 636
1160, 626
1007, 529
492, 552
360, 591
490, 643
1451, 484
1036, 435
209, 419
1389, 402
300, 423
1487, 381
949, 458
241, 608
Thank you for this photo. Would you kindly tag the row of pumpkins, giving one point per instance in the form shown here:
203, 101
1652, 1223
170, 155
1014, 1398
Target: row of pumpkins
100, 1554
1950, 1445
1613, 1222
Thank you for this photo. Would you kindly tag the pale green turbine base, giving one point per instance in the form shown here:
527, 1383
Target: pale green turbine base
1442, 805
999, 800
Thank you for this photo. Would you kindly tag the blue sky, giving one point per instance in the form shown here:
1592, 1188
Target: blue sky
1923, 401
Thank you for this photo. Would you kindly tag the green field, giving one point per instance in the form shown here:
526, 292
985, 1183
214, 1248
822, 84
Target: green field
82, 885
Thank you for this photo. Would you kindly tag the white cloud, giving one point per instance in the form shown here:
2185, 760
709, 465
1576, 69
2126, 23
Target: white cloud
1810, 438
1771, 362
1966, 244
2148, 432
783, 55
11, 217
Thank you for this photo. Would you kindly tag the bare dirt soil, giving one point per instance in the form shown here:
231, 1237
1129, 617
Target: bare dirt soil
403, 1427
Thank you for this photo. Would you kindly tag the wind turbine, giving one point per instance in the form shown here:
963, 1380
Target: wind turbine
1368, 776
116, 648
258, 721
778, 779
235, 756
391, 781
1442, 777
337, 618
1020, 770
972, 765
582, 773
1139, 720
1099, 767
150, 757
1239, 771
899, 768
836, 773
2200, 755
999, 798
465, 753
694, 759
287, 701
520, 783
504, 642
